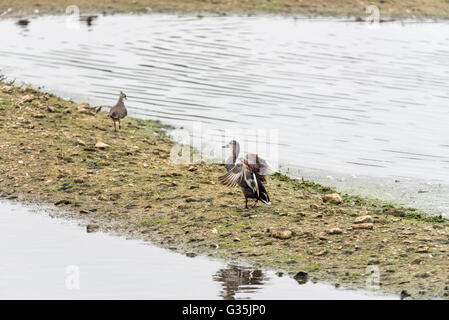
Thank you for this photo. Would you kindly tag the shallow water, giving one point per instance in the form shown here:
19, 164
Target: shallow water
362, 108
50, 258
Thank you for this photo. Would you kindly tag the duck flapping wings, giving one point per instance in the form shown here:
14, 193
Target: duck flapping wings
248, 172
243, 175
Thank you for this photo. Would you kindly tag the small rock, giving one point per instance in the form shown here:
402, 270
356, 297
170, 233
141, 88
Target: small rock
334, 198
236, 239
404, 294
80, 142
335, 231
422, 250
101, 145
366, 226
422, 275
191, 254
364, 219
322, 236
27, 98
92, 228
62, 202
301, 277
282, 234
318, 252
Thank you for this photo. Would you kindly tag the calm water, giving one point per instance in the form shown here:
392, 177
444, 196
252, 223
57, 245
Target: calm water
48, 258
361, 108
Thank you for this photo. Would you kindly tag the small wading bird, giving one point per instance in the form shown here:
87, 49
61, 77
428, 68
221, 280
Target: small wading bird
248, 172
117, 112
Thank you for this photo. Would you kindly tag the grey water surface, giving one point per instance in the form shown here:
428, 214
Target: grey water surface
51, 258
357, 106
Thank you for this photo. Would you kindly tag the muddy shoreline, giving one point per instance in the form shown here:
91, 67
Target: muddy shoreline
49, 156
394, 9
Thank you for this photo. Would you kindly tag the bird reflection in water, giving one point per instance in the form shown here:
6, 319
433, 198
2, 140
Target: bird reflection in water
237, 279
88, 19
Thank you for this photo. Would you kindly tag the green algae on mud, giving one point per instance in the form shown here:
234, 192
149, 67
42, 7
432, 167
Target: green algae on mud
48, 154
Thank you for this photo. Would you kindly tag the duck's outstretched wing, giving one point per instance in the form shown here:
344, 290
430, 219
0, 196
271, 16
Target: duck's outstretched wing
260, 166
242, 175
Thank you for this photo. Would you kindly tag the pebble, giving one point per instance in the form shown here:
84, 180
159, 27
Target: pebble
318, 252
102, 145
364, 219
365, 226
282, 234
335, 231
27, 98
92, 228
422, 250
422, 275
62, 202
334, 198
404, 294
301, 277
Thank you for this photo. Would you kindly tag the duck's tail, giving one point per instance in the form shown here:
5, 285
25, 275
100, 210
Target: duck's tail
263, 194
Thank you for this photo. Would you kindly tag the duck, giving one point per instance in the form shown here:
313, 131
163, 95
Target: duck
248, 172
88, 19
117, 112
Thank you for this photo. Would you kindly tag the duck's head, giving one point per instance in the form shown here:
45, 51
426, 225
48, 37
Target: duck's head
232, 144
123, 95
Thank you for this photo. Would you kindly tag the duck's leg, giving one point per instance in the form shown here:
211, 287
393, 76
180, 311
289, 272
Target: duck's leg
119, 126
246, 203
255, 202
115, 128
